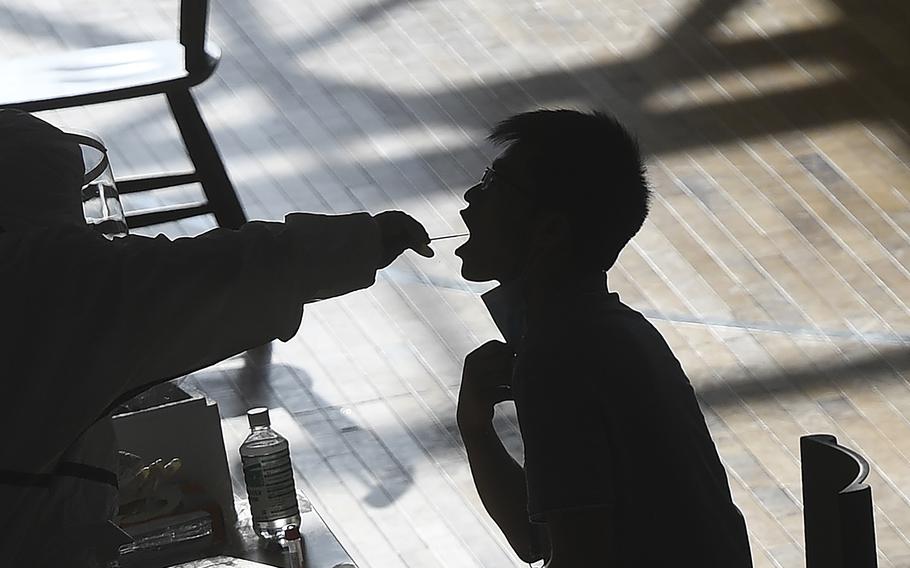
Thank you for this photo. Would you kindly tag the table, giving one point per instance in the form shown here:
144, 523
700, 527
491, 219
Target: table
321, 547
192, 429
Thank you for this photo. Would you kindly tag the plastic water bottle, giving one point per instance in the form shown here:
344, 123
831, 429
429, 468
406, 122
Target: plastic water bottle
269, 477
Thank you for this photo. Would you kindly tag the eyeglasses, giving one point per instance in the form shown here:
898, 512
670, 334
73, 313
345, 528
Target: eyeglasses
490, 176
487, 180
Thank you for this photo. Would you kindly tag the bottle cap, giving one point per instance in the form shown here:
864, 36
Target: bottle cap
291, 532
258, 416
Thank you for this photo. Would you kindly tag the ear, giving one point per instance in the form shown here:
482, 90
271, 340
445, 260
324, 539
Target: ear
551, 236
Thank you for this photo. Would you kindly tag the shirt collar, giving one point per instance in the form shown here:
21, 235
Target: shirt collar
512, 305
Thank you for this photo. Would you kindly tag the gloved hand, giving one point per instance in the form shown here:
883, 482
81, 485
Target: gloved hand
138, 480
398, 232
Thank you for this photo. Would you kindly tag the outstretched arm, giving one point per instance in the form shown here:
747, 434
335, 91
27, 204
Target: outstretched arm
197, 301
123, 315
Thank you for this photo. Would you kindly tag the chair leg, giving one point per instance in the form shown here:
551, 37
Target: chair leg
202, 152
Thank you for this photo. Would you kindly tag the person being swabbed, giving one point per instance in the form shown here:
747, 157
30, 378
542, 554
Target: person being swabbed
619, 466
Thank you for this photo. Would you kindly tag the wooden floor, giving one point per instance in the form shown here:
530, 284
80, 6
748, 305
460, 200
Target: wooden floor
776, 260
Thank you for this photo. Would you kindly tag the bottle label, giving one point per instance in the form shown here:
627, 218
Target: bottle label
270, 486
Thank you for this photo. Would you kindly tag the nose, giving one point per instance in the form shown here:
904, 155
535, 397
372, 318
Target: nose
472, 192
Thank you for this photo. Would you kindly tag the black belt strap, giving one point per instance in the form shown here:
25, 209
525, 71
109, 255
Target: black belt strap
63, 469
24, 478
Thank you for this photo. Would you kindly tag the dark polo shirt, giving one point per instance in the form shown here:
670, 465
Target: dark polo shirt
610, 421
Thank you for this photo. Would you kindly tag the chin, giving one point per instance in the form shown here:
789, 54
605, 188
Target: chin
474, 266
473, 272
475, 276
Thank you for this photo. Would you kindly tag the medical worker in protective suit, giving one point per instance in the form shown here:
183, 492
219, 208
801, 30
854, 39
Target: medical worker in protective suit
87, 322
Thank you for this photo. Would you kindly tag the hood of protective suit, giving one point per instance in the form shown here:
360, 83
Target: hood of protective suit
41, 169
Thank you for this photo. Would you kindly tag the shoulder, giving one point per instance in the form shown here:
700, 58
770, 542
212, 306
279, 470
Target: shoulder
588, 334
558, 369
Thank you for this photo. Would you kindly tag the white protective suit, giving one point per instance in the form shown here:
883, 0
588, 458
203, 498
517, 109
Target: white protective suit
87, 321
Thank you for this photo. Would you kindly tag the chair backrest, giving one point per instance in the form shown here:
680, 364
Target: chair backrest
837, 505
193, 24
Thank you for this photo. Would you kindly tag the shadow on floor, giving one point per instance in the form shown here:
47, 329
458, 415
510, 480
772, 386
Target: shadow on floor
332, 430
889, 364
865, 42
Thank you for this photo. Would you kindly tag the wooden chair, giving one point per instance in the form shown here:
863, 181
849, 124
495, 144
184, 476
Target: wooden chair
117, 72
837, 505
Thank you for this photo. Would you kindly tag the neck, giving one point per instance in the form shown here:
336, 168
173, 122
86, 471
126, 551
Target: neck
540, 287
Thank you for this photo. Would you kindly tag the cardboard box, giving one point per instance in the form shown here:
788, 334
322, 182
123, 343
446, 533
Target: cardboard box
189, 429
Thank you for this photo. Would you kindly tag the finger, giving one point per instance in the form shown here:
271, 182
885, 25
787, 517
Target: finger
417, 231
495, 380
173, 466
492, 375
489, 363
417, 237
501, 393
493, 346
494, 351
424, 250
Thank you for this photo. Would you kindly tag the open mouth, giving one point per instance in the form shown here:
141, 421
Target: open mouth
459, 251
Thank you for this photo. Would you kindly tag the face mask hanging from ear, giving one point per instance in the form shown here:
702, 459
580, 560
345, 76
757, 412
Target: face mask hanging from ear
100, 199
506, 303
508, 309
